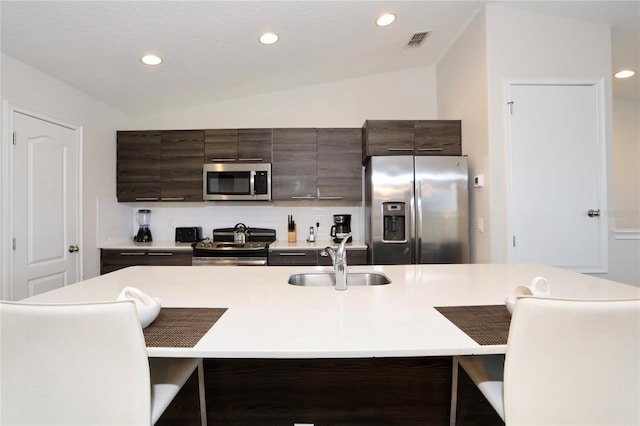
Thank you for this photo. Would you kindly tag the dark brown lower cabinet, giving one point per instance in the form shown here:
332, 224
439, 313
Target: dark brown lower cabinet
313, 257
293, 257
112, 260
330, 392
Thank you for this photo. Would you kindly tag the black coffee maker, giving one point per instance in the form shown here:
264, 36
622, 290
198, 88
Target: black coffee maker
341, 227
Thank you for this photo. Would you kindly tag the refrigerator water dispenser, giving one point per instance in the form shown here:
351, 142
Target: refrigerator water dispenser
393, 222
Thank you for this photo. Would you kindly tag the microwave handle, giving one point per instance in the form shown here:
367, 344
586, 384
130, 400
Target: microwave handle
252, 182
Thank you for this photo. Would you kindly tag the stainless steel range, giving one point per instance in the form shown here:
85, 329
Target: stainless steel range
239, 245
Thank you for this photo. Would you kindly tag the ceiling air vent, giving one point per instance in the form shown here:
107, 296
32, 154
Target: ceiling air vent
418, 38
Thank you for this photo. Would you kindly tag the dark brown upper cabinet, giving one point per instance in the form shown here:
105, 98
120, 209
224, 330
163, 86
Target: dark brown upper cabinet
159, 165
294, 164
237, 145
438, 137
317, 164
138, 168
339, 164
182, 159
410, 137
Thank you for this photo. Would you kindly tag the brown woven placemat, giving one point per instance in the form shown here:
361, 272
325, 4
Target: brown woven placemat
181, 327
486, 324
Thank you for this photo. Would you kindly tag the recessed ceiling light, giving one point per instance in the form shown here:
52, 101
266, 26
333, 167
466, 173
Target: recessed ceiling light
385, 19
151, 59
268, 38
624, 74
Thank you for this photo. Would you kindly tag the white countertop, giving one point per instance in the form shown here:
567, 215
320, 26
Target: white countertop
277, 245
268, 318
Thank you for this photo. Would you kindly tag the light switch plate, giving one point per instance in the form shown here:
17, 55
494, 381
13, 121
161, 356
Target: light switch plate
478, 181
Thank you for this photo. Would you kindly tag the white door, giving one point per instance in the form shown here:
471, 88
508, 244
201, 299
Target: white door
558, 181
45, 205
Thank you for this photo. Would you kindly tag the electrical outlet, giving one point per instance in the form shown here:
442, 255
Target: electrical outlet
480, 225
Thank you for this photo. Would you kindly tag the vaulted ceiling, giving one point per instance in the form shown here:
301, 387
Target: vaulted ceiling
211, 50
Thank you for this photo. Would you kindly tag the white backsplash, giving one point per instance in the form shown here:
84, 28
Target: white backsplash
166, 217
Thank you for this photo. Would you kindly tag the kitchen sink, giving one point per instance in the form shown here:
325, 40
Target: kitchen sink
329, 279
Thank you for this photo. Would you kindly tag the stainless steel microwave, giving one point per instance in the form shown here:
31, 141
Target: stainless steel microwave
237, 181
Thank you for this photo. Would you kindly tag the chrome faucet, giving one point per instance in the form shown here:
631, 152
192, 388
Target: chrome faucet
339, 259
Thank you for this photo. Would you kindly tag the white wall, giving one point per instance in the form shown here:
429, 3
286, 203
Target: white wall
408, 94
462, 94
525, 45
626, 160
624, 213
29, 88
502, 43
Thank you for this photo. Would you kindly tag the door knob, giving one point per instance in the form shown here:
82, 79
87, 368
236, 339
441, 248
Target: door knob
593, 213
73, 248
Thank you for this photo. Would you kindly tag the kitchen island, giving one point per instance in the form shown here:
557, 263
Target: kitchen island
368, 355
269, 318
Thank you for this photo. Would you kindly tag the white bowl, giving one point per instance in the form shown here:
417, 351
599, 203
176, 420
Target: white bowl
147, 314
519, 291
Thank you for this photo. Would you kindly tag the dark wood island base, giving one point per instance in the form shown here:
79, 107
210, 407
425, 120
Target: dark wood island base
326, 392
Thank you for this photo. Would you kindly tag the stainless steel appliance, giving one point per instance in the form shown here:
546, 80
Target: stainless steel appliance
143, 217
341, 227
417, 209
226, 248
237, 181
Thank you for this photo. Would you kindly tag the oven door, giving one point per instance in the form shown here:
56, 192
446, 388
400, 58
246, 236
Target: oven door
228, 261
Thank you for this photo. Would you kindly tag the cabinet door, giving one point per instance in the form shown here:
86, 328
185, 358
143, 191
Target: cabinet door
339, 164
112, 260
438, 137
354, 257
293, 257
388, 137
169, 258
254, 145
138, 169
182, 159
294, 164
220, 145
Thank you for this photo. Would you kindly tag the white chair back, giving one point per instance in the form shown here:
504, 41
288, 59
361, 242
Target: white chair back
73, 365
573, 362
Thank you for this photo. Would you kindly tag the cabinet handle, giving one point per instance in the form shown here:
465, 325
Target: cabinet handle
146, 198
160, 253
294, 253
306, 197
430, 149
133, 253
172, 198
250, 159
400, 149
220, 160
331, 197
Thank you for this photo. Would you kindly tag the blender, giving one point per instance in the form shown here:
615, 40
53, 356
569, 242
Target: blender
143, 218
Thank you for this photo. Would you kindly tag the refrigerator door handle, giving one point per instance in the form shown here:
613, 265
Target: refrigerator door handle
411, 221
418, 218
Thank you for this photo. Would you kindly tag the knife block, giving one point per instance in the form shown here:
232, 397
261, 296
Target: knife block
291, 236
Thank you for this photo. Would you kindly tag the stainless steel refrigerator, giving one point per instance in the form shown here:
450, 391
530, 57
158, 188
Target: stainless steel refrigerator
417, 209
